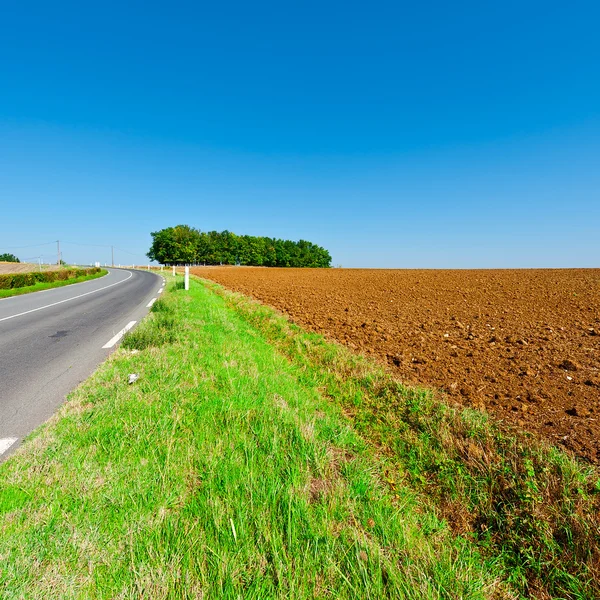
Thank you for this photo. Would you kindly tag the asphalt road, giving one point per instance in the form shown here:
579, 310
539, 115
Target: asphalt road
50, 341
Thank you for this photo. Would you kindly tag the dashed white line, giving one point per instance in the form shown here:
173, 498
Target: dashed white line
160, 291
119, 335
66, 300
6, 443
151, 303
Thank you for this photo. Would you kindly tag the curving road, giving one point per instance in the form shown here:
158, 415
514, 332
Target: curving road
50, 341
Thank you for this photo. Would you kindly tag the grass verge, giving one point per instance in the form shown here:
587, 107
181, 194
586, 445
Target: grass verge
225, 471
46, 285
531, 506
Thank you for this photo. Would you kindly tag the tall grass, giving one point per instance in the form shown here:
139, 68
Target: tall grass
254, 460
223, 472
157, 329
533, 507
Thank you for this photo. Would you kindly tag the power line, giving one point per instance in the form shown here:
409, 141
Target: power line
90, 245
105, 246
113, 248
30, 246
127, 252
36, 257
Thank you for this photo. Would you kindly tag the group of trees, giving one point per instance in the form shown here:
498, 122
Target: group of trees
6, 257
186, 245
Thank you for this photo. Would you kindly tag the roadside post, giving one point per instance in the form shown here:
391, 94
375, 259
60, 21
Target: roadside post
173, 270
187, 278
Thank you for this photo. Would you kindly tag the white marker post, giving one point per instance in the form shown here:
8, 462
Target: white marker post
173, 270
187, 278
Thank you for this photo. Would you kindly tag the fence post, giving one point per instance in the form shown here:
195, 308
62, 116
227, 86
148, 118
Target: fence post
187, 278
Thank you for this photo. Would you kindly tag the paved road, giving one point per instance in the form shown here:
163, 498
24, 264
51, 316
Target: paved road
51, 341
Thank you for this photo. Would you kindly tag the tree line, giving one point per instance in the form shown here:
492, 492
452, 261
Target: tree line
7, 257
186, 245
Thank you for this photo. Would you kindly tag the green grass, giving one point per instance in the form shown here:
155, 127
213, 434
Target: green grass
225, 471
531, 506
254, 460
46, 285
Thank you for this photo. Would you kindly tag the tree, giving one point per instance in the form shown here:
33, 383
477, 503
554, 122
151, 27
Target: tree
175, 245
8, 258
184, 244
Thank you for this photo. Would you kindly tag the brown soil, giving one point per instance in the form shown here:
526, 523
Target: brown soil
522, 344
10, 267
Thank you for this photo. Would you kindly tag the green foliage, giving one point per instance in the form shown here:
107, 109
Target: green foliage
18, 280
186, 245
7, 257
48, 285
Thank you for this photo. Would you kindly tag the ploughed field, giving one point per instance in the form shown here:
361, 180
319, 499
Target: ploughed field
521, 344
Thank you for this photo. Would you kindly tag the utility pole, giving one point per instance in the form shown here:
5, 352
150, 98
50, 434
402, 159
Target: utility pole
112, 253
57, 252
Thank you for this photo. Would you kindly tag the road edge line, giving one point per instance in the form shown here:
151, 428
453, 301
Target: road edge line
113, 340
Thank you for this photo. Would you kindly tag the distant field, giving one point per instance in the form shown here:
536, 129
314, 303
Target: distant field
10, 267
521, 344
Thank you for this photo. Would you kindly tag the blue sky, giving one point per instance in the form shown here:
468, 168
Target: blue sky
394, 134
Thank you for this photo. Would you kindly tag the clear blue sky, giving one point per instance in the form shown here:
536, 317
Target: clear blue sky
395, 134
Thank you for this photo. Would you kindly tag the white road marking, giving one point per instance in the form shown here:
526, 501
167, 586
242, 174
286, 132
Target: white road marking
151, 303
160, 291
6, 443
113, 340
66, 300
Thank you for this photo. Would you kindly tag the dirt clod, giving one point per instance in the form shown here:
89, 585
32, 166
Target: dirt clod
568, 365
